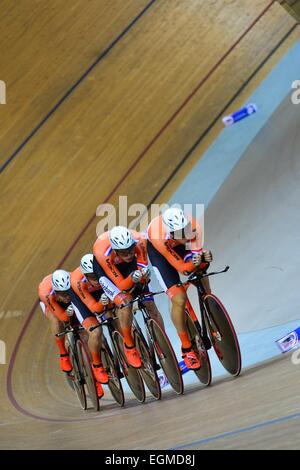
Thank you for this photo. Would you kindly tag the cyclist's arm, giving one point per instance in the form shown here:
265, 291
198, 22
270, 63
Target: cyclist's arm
104, 267
124, 284
81, 309
87, 298
195, 245
141, 253
181, 265
113, 293
53, 307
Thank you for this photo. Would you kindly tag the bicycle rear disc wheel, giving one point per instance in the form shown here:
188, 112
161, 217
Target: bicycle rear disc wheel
223, 335
166, 356
114, 383
88, 375
131, 374
77, 378
147, 371
204, 373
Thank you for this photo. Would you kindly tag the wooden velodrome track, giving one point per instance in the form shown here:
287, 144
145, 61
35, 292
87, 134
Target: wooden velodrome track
102, 100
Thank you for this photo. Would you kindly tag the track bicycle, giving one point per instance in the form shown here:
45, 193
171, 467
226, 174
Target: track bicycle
116, 362
216, 329
81, 374
157, 343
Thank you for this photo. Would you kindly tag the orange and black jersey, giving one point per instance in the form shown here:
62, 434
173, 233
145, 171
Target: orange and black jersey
48, 298
108, 263
86, 292
178, 256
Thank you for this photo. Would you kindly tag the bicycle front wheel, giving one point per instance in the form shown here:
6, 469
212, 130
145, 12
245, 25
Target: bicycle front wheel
147, 371
88, 374
223, 335
77, 379
114, 383
166, 356
131, 374
204, 373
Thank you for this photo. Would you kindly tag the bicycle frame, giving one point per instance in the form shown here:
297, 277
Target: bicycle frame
104, 320
140, 300
146, 317
157, 342
191, 312
195, 279
72, 335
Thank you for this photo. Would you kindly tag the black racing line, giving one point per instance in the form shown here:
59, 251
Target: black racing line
76, 84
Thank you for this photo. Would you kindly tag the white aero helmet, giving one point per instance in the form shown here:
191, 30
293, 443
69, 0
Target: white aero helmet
61, 280
86, 264
175, 219
121, 238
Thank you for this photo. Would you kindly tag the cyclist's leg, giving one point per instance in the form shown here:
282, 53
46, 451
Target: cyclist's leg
169, 280
57, 326
119, 298
94, 338
124, 322
87, 320
178, 297
116, 297
152, 308
126, 315
94, 345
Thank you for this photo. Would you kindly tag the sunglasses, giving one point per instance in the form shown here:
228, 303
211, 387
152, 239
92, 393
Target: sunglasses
127, 251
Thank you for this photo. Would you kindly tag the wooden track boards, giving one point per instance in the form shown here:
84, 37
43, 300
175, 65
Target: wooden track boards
149, 99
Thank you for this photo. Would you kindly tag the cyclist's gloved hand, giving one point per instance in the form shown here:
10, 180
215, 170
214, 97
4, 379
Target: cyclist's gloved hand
136, 276
104, 299
207, 256
197, 259
146, 273
70, 311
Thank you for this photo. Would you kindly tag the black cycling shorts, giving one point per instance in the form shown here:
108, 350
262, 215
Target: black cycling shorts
81, 310
166, 274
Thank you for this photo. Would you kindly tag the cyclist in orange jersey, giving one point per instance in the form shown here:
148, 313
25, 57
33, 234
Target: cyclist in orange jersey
121, 255
59, 299
175, 247
55, 302
88, 300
